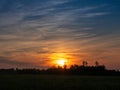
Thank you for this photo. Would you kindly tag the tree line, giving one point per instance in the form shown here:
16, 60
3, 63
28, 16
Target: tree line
75, 69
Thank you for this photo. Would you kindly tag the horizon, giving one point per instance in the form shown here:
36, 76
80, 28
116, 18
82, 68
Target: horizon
39, 33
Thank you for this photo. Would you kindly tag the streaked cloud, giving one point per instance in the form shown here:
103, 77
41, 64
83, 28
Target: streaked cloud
50, 26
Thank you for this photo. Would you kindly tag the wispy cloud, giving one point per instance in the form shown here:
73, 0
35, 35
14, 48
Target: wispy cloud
89, 15
28, 27
13, 63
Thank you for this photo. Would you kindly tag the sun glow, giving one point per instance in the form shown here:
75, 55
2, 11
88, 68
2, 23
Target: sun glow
61, 62
60, 59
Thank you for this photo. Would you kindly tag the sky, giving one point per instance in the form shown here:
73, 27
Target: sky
35, 33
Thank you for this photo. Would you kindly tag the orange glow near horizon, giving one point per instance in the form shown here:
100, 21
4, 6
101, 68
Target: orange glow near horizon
61, 62
60, 59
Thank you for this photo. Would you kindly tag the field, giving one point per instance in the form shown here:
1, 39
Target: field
58, 82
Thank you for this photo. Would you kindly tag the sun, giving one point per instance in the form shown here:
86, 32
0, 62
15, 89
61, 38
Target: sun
61, 62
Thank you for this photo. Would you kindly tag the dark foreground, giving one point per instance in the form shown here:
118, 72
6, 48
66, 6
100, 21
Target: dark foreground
58, 82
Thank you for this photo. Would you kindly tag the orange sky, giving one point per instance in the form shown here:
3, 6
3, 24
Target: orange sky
35, 33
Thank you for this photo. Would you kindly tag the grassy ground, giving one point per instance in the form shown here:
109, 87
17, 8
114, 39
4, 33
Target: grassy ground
57, 82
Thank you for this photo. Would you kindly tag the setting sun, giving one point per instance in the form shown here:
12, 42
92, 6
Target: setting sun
61, 62
60, 59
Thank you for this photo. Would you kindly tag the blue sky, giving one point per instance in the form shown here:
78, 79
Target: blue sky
30, 30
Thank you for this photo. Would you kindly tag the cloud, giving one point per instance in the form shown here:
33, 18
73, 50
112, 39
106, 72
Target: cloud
13, 63
89, 15
32, 26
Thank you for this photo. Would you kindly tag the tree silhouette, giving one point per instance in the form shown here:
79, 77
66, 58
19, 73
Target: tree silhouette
84, 63
73, 70
96, 63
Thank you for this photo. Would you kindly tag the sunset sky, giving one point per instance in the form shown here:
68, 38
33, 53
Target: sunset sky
36, 33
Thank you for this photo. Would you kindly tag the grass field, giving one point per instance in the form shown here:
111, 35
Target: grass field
58, 82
